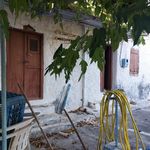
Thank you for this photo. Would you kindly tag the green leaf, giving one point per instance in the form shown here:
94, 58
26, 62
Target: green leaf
97, 10
99, 38
11, 5
98, 57
115, 36
4, 22
140, 24
83, 65
88, 41
58, 51
141, 41
74, 42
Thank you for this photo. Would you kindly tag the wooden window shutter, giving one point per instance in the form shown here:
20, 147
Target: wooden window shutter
134, 61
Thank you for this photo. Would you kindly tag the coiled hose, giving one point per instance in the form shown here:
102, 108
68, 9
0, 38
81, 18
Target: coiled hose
107, 124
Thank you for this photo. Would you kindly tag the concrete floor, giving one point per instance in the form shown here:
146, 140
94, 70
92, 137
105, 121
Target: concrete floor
89, 133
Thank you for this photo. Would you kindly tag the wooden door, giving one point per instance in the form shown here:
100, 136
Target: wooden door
106, 74
25, 63
15, 57
108, 68
33, 66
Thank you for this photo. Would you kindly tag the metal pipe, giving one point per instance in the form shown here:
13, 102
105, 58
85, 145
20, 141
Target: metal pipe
83, 145
83, 76
116, 123
3, 85
83, 85
35, 117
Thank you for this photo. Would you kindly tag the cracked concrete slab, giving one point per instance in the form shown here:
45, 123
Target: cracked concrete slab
89, 133
58, 122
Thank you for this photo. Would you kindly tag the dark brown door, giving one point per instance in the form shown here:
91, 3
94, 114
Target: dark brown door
106, 74
108, 69
25, 63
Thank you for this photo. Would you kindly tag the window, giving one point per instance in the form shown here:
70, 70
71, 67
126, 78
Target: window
34, 45
134, 61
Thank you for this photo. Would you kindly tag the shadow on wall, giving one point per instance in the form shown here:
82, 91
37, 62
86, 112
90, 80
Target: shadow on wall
132, 92
144, 90
128, 92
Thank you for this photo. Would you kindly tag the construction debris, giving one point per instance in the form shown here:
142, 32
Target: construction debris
132, 102
90, 121
66, 135
79, 110
91, 105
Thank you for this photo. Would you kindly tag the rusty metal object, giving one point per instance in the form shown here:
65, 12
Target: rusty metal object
84, 147
34, 115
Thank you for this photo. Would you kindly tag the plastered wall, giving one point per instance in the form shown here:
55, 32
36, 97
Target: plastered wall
53, 37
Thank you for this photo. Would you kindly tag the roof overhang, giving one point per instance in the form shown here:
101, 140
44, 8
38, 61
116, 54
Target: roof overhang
72, 16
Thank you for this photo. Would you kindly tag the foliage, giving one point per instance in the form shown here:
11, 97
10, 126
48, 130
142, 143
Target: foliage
4, 21
119, 18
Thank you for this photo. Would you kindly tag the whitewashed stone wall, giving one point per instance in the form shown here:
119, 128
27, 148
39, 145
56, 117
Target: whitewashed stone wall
53, 87
137, 87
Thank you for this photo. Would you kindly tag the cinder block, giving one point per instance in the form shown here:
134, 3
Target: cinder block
112, 146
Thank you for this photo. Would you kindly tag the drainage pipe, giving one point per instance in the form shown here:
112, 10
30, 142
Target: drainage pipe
83, 76
83, 84
3, 84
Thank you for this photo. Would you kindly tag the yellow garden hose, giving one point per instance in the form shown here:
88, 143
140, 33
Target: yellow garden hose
107, 124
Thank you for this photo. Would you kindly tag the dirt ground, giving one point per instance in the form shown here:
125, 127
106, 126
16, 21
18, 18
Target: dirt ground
89, 132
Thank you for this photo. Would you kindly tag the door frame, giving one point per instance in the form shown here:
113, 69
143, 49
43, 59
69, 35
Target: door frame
41, 57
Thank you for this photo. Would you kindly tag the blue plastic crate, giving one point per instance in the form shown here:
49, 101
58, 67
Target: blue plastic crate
15, 108
148, 147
